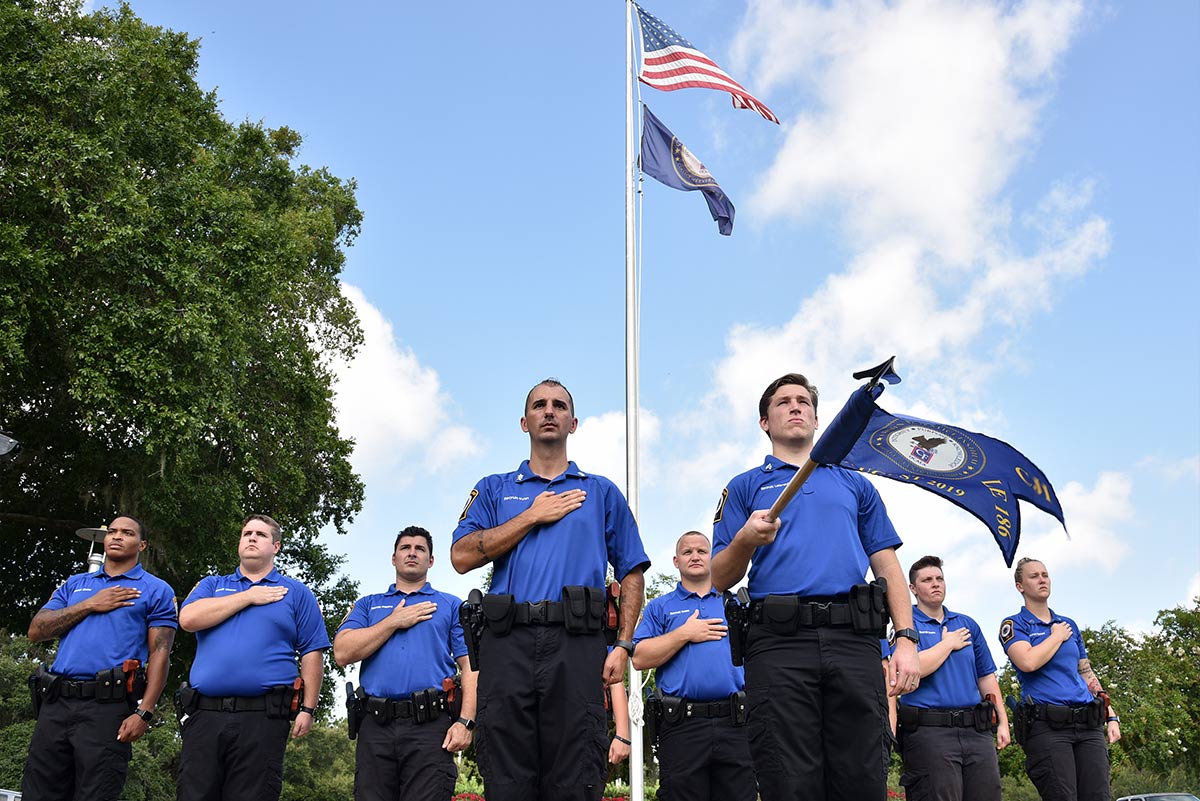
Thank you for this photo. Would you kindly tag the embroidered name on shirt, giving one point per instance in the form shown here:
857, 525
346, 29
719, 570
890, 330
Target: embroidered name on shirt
83, 589
228, 589
772, 486
515, 498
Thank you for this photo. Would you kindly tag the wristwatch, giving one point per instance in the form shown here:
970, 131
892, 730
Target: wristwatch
626, 644
467, 722
144, 714
909, 634
312, 710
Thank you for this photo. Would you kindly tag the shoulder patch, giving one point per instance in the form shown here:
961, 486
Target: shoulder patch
470, 500
193, 589
721, 506
1006, 631
349, 611
175, 603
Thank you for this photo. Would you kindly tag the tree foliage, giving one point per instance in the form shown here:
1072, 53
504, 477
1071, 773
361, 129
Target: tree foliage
169, 299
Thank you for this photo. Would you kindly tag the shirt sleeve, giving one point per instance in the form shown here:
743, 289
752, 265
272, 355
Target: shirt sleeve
357, 618
651, 624
875, 528
310, 626
205, 588
161, 611
59, 598
1012, 630
458, 642
479, 512
730, 516
984, 664
621, 537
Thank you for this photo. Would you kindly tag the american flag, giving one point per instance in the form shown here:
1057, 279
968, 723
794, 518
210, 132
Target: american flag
670, 62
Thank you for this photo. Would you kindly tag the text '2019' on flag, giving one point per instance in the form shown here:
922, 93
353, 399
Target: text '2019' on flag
982, 475
670, 62
666, 158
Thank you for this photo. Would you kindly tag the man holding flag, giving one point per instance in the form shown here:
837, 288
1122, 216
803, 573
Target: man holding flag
818, 705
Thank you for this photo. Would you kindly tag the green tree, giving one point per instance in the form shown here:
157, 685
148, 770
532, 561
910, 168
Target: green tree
169, 301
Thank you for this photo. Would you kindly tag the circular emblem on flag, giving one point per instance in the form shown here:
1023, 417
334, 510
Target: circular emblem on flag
929, 449
693, 165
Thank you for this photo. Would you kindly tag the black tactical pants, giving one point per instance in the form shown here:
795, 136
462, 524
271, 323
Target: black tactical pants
74, 753
542, 726
232, 756
943, 763
1068, 764
403, 761
818, 714
705, 759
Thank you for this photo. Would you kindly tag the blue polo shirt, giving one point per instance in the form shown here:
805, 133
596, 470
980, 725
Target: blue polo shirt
255, 649
956, 683
569, 552
415, 658
104, 640
701, 671
1058, 681
835, 522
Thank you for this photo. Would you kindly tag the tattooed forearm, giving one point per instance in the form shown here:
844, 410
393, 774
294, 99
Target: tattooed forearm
480, 546
161, 639
51, 623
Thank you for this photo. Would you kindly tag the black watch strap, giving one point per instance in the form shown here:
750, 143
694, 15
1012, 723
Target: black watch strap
144, 714
626, 644
312, 710
470, 724
909, 634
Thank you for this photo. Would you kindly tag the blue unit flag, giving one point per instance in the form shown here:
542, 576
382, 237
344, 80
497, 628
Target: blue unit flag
665, 158
982, 475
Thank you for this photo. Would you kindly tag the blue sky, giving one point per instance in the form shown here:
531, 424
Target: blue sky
1004, 195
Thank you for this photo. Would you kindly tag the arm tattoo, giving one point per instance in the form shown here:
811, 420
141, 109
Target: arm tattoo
1085, 667
55, 622
161, 638
479, 545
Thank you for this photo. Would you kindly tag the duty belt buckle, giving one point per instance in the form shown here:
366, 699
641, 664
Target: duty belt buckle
956, 718
539, 612
820, 612
227, 704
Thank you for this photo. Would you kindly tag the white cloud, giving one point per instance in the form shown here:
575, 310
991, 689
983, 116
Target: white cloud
918, 112
1185, 469
598, 446
393, 406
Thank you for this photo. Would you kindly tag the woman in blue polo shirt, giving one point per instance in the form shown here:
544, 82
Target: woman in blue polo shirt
1065, 752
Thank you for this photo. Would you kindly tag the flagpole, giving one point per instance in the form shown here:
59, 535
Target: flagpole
636, 774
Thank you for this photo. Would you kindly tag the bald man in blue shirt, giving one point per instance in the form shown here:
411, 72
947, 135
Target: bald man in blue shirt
551, 529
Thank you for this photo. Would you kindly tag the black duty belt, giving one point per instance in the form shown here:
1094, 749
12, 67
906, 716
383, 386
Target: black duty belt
538, 612
231, 703
1074, 714
385, 710
963, 718
68, 688
810, 614
705, 709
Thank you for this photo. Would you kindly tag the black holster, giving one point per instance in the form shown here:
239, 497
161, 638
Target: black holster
653, 710
470, 615
583, 609
1021, 719
355, 712
737, 616
986, 717
498, 613
868, 608
279, 702
739, 710
186, 701
43, 689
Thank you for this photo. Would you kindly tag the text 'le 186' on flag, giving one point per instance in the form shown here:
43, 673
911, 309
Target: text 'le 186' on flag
670, 62
664, 157
982, 475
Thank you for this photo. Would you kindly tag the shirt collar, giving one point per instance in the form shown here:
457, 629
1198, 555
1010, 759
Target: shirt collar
773, 463
524, 473
135, 572
274, 577
946, 614
426, 590
1032, 618
682, 592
